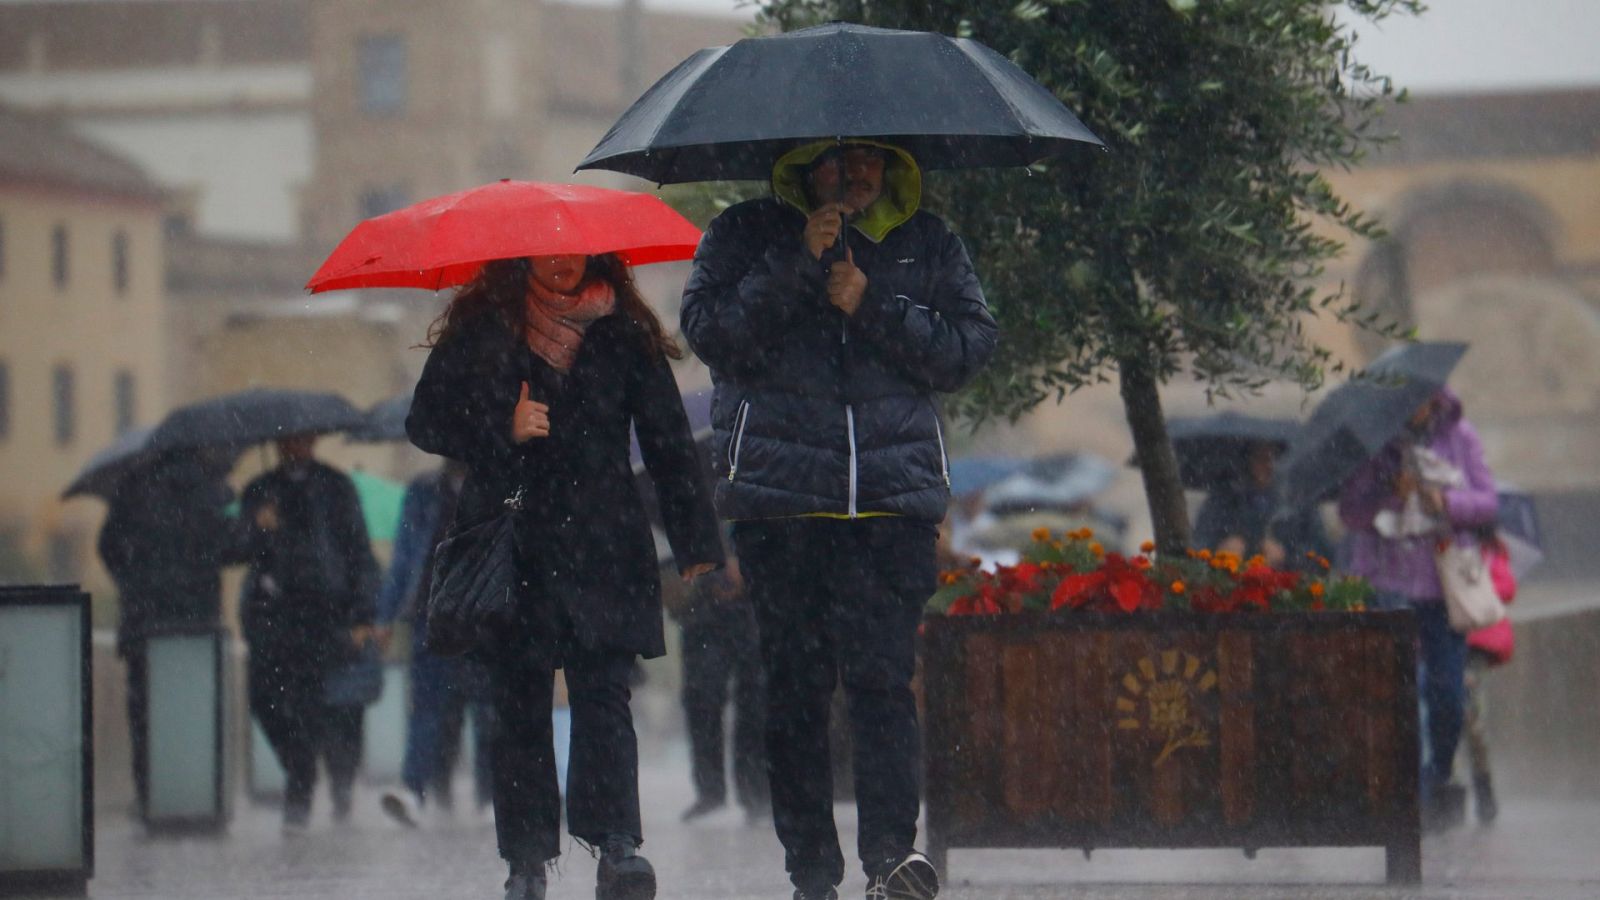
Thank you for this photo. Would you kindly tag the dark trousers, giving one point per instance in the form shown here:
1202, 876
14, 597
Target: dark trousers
286, 698
603, 772
719, 648
442, 691
133, 655
840, 600
1443, 689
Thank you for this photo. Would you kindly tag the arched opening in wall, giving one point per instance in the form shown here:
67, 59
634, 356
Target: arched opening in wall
1447, 233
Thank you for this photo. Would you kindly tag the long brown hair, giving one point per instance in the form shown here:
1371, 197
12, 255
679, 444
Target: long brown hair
501, 288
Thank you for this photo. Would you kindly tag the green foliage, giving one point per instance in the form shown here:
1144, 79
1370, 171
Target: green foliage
1189, 248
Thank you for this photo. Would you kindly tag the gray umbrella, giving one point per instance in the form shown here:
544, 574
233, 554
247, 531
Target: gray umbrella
254, 416
727, 113
101, 474
384, 422
1360, 418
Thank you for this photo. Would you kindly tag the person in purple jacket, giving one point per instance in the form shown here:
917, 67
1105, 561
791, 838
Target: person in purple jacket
1428, 483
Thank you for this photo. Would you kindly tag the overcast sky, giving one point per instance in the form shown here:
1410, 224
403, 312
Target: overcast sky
1458, 45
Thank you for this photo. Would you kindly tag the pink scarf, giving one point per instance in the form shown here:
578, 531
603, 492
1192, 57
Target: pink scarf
556, 321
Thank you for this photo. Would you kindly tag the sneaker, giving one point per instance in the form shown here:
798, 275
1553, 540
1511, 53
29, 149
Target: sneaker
403, 807
526, 885
700, 809
623, 873
912, 878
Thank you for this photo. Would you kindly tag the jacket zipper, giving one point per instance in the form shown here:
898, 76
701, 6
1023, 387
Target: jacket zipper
944, 458
850, 427
738, 439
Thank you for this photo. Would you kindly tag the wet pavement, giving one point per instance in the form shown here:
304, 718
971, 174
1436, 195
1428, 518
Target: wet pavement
1537, 849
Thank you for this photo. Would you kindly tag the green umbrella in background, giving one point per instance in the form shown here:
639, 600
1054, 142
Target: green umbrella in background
380, 504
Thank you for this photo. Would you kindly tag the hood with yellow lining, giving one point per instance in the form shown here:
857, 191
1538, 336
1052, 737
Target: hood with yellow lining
902, 185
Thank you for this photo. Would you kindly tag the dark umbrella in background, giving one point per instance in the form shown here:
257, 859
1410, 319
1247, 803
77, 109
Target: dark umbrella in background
728, 113
1518, 527
254, 416
100, 475
384, 422
1213, 451
1360, 417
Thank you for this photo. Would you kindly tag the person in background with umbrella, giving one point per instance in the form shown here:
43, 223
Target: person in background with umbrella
538, 369
165, 540
830, 315
442, 688
307, 609
1241, 515
1429, 480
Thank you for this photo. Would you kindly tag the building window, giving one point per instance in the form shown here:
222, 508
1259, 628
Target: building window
5, 401
58, 255
125, 393
382, 59
375, 201
64, 387
119, 262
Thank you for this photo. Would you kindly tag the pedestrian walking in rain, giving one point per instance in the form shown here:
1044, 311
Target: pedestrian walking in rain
539, 368
165, 540
307, 611
1430, 481
1242, 516
1487, 649
443, 689
720, 650
826, 361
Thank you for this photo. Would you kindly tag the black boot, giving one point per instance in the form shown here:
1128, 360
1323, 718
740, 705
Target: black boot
624, 874
1483, 794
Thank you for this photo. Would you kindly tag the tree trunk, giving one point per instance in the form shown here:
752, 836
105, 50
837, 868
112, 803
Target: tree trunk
1163, 490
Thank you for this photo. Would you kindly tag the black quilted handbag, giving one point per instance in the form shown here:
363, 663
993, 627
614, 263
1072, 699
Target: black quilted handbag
473, 595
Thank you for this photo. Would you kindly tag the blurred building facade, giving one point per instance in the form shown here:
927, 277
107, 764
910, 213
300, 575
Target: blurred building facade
83, 331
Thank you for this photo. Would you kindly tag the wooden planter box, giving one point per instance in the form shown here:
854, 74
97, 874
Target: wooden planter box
1090, 730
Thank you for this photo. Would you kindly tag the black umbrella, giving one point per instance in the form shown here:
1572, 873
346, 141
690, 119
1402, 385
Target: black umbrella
254, 416
384, 422
728, 113
1362, 416
1213, 450
101, 474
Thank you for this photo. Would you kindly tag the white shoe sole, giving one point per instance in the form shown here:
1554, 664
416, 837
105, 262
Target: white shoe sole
913, 879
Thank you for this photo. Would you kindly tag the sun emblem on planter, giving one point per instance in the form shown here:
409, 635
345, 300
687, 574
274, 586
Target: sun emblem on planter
1160, 695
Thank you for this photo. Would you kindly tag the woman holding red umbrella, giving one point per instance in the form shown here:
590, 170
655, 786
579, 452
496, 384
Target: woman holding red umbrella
539, 369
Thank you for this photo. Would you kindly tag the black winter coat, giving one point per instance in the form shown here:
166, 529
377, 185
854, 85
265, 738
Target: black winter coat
816, 412
165, 541
313, 578
583, 537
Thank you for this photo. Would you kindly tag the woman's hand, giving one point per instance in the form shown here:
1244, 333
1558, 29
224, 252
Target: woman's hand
696, 570
531, 419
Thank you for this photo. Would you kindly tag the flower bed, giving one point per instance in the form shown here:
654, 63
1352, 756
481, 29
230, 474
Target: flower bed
1084, 699
1074, 572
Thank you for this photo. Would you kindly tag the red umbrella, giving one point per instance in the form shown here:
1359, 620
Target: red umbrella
443, 242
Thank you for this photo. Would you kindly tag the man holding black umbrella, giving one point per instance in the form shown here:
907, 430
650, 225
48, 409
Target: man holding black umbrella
830, 315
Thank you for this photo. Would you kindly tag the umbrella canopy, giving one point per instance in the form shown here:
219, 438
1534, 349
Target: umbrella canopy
1062, 482
384, 422
727, 113
1356, 421
976, 473
1518, 527
1213, 450
101, 474
254, 416
444, 242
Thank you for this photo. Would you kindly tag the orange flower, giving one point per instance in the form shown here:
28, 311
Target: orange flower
950, 577
1141, 563
1147, 547
1041, 535
1323, 562
1097, 550
1204, 554
1179, 587
1317, 590
1256, 562
975, 562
